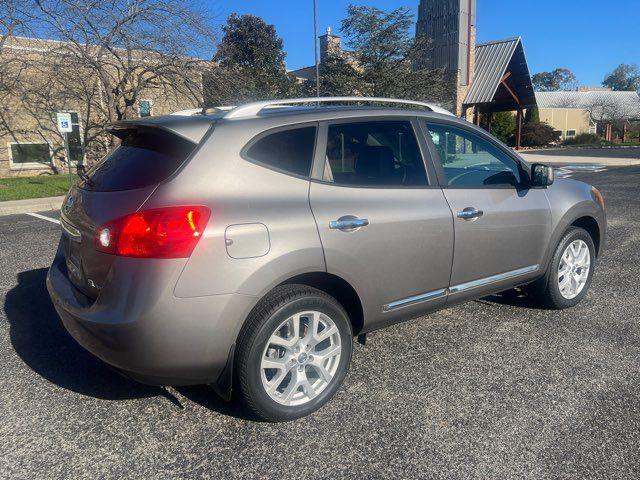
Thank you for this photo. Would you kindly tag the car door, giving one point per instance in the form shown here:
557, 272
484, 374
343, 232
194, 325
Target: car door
384, 224
501, 225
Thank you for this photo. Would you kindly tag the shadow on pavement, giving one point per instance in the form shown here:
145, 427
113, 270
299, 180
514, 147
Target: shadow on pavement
38, 337
514, 298
41, 341
206, 397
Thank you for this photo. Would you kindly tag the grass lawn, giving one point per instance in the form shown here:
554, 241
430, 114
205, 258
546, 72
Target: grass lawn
34, 187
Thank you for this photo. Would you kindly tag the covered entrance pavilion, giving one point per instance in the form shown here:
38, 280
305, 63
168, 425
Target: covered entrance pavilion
501, 82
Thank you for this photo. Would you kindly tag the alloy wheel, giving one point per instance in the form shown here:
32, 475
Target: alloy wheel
301, 358
573, 270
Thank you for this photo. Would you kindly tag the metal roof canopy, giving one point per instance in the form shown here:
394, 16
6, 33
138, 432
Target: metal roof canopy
501, 81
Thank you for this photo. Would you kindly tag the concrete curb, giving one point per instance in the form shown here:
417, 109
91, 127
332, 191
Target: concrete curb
12, 207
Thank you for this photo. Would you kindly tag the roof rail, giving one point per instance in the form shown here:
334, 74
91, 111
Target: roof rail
252, 109
203, 111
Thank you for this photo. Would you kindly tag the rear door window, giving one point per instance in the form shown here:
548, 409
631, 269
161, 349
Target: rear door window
376, 153
289, 151
142, 159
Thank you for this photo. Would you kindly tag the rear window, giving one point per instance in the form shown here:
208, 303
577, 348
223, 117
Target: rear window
290, 151
141, 159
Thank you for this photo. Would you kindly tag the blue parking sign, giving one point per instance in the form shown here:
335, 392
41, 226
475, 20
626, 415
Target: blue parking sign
64, 122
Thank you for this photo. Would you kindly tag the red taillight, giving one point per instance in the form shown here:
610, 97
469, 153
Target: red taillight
169, 232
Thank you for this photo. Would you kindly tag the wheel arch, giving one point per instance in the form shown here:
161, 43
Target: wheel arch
584, 214
590, 224
329, 283
339, 289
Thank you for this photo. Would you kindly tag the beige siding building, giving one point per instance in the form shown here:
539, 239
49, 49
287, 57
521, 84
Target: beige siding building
568, 121
589, 111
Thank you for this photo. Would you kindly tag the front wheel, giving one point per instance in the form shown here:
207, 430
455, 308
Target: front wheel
571, 270
293, 353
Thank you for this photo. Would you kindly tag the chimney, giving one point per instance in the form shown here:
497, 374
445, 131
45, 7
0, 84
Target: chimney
329, 45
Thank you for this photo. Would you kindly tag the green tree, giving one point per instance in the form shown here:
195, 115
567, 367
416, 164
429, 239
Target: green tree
532, 115
339, 77
503, 126
559, 79
382, 61
624, 78
250, 64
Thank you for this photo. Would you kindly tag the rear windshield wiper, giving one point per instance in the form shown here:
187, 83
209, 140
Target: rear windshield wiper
83, 176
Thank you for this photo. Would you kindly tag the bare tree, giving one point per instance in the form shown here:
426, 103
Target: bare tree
105, 56
11, 22
605, 108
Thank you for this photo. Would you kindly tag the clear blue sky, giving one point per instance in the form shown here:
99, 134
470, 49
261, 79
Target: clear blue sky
589, 37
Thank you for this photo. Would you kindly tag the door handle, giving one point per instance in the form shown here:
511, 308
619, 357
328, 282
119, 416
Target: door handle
470, 213
348, 223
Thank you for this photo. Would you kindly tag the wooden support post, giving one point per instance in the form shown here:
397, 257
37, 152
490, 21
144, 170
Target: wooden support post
608, 132
489, 118
518, 128
476, 116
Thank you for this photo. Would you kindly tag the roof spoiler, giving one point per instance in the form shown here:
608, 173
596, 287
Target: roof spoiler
191, 128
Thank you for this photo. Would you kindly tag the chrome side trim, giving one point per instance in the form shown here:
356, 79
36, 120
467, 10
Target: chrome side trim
493, 279
423, 297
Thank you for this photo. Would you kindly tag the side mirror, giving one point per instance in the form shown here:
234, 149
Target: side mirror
541, 175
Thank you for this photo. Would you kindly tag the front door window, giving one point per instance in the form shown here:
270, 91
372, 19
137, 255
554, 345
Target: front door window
471, 161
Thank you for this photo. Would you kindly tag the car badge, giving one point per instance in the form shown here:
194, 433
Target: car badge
69, 203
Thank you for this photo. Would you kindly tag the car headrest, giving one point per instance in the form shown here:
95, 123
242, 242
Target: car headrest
375, 164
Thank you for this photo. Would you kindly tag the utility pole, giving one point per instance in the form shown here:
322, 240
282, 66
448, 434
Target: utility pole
315, 45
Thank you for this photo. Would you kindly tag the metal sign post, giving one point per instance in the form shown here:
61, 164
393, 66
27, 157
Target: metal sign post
68, 155
65, 127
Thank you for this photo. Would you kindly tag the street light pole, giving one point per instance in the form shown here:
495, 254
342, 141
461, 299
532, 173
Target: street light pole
315, 45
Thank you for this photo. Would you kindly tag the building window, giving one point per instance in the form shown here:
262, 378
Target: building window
571, 133
559, 132
144, 108
29, 154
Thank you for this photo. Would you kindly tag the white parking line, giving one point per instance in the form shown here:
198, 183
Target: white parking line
42, 217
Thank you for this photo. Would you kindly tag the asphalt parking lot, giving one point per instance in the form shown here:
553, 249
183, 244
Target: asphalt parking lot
490, 389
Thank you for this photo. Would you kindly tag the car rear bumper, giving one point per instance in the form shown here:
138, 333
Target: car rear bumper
138, 326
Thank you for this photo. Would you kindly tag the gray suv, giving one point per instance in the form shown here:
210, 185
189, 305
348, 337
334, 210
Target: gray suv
247, 248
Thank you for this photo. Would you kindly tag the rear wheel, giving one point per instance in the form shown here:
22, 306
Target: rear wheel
571, 270
293, 353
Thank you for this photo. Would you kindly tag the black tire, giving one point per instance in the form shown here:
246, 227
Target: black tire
271, 311
548, 292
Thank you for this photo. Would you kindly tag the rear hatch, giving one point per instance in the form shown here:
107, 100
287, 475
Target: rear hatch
118, 185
